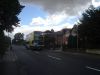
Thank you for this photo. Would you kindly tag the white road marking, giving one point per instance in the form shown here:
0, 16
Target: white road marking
36, 52
92, 68
54, 57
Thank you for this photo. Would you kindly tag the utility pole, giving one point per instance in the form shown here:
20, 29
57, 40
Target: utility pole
77, 37
62, 40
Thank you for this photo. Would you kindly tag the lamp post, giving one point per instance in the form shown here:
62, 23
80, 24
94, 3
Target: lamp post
62, 42
77, 37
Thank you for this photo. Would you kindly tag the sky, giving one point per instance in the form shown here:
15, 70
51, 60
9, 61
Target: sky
41, 15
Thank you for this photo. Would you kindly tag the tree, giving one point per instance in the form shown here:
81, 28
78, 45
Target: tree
89, 27
4, 44
9, 10
18, 38
49, 39
72, 39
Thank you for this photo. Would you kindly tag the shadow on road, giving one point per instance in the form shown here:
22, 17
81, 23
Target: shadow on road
2, 68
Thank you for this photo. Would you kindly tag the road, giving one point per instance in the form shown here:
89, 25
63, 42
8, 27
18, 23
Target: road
20, 61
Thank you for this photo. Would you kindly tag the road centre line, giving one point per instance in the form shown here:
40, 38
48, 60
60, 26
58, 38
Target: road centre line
54, 57
92, 68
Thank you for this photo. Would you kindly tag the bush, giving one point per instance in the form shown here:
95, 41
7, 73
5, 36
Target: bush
4, 44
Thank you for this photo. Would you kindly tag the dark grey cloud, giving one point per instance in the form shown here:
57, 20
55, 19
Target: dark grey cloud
71, 7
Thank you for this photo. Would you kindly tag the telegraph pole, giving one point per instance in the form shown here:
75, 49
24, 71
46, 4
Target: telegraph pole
77, 37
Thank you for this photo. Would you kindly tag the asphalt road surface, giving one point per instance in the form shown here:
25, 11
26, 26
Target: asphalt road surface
20, 61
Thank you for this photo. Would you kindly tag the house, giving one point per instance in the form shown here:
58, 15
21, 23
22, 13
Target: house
61, 37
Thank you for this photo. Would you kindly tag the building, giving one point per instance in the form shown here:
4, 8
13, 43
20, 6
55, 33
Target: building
58, 39
61, 37
66, 33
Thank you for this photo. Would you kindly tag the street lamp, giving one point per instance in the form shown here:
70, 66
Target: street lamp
77, 37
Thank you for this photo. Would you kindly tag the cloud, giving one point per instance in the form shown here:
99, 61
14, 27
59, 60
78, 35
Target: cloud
58, 12
54, 19
96, 3
71, 7
38, 21
26, 29
67, 25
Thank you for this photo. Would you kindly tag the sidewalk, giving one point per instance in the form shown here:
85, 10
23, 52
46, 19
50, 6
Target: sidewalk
10, 56
93, 51
8, 66
89, 53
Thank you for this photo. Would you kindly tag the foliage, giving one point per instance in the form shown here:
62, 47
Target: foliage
89, 27
9, 10
72, 42
49, 39
18, 38
4, 43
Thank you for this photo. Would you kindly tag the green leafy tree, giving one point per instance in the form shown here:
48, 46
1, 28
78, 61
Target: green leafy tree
18, 38
4, 44
89, 28
9, 10
49, 39
72, 42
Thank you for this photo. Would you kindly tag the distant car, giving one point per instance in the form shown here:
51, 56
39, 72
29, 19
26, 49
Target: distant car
26, 46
